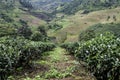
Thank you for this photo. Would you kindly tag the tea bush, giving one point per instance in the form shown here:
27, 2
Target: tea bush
102, 55
17, 52
70, 47
97, 29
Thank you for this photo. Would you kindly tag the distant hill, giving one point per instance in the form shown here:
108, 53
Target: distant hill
88, 5
43, 5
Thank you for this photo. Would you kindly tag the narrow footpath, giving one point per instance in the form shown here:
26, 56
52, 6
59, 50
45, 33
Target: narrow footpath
57, 65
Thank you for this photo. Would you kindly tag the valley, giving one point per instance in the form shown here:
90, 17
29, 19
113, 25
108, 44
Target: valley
60, 40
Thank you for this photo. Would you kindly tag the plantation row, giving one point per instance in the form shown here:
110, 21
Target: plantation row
17, 52
101, 54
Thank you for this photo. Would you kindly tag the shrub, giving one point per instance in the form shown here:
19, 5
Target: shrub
40, 34
6, 30
55, 26
24, 31
6, 17
37, 36
98, 29
71, 47
102, 55
17, 52
10, 52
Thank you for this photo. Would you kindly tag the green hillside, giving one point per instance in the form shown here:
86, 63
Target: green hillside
43, 5
74, 24
59, 39
88, 5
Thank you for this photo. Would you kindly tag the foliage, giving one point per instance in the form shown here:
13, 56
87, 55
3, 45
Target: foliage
6, 30
54, 73
55, 26
98, 29
40, 34
10, 53
24, 31
7, 4
102, 55
42, 30
26, 4
37, 36
70, 47
6, 17
89, 5
17, 52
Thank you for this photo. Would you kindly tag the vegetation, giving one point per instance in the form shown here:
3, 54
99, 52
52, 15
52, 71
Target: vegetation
101, 55
54, 26
88, 5
26, 45
97, 29
18, 52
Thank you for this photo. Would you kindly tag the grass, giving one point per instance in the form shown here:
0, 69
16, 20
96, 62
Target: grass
74, 24
55, 65
56, 55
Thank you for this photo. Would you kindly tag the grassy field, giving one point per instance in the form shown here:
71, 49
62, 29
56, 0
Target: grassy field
74, 24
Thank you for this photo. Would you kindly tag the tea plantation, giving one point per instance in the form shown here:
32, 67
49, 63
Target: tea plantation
101, 55
17, 52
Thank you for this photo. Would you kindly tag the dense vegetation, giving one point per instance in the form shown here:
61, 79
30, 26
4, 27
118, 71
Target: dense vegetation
17, 52
43, 5
20, 44
101, 55
100, 50
97, 29
88, 5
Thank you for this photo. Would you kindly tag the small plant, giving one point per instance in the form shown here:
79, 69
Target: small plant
54, 73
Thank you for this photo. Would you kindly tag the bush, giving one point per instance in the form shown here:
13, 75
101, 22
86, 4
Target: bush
6, 30
98, 29
10, 52
6, 17
70, 47
24, 31
55, 26
40, 34
102, 56
37, 36
18, 52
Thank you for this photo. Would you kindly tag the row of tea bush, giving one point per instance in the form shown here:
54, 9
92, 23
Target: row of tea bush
101, 54
17, 52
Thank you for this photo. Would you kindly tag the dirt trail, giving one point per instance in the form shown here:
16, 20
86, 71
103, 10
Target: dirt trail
58, 65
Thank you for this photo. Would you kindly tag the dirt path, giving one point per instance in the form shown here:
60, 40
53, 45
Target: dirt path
57, 65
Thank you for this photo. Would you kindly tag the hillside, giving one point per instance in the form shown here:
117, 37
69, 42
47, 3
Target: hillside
88, 5
44, 5
59, 39
74, 24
